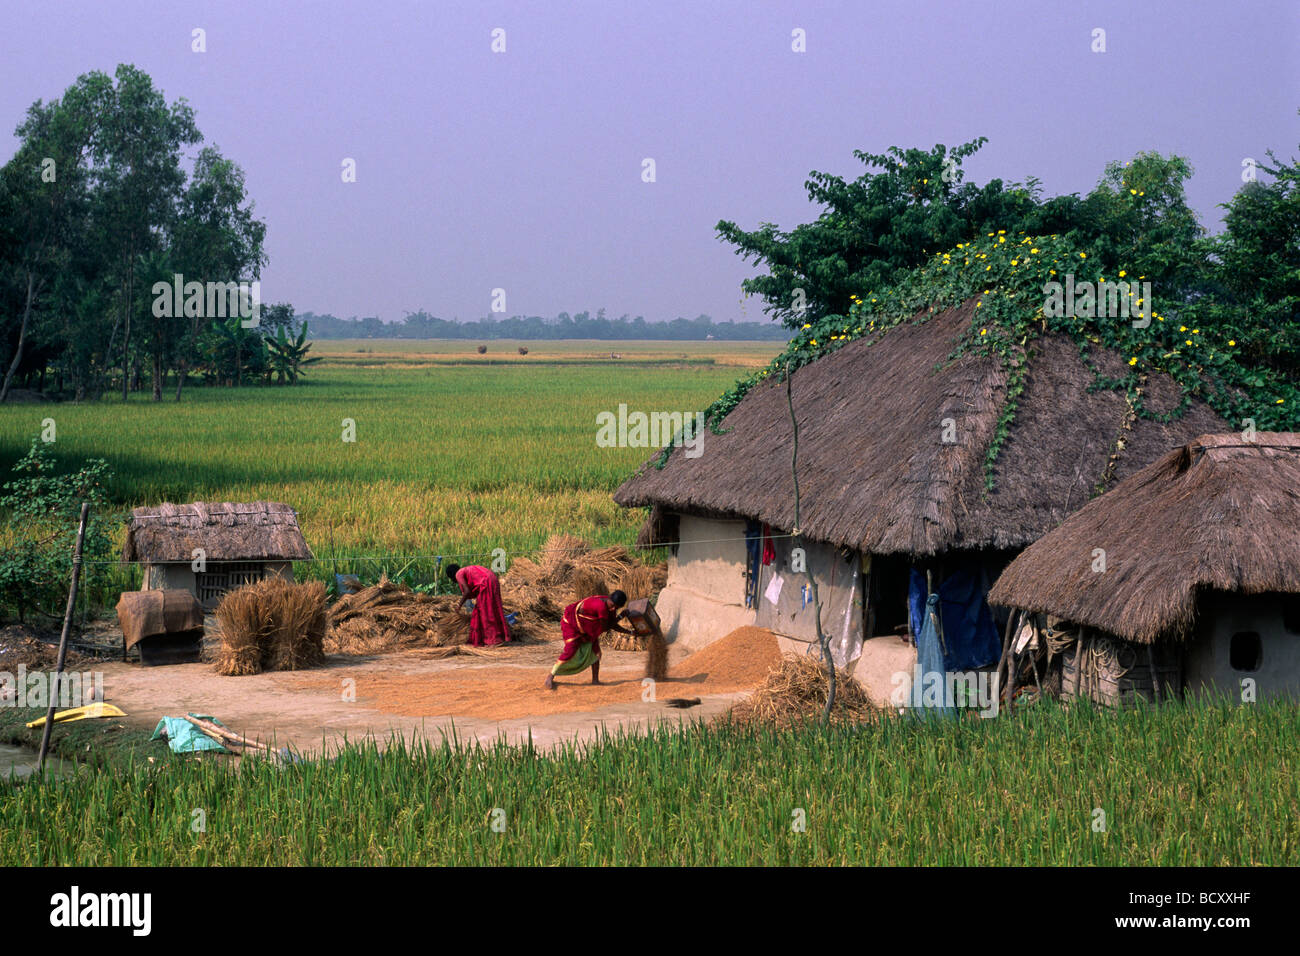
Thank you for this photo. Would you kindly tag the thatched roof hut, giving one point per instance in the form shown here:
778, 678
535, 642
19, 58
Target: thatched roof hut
211, 548
875, 473
226, 531
895, 436
1219, 514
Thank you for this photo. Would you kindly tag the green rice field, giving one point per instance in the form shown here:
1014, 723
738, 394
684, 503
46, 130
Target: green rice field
454, 453
1183, 785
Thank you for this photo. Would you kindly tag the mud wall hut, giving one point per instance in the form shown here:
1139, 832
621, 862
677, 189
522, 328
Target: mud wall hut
211, 548
1191, 565
893, 440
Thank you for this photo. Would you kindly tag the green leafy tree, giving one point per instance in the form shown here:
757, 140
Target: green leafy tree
139, 180
286, 357
872, 229
44, 196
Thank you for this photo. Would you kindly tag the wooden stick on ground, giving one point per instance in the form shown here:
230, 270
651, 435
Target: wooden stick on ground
222, 735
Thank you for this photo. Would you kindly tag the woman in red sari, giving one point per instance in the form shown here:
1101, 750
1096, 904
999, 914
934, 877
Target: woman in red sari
487, 625
582, 624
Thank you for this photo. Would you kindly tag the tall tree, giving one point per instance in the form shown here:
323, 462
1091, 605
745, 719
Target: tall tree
44, 193
216, 237
139, 181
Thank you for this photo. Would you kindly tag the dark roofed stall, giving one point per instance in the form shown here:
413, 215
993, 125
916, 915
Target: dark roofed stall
210, 548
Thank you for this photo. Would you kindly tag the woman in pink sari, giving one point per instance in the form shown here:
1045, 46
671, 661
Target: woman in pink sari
487, 625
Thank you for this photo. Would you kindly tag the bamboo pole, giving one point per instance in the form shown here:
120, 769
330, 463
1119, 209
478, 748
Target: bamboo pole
822, 642
63, 637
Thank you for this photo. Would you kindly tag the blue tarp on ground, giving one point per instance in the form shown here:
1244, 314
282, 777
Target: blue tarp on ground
969, 635
184, 738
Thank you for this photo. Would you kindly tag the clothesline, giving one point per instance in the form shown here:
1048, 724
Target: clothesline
474, 554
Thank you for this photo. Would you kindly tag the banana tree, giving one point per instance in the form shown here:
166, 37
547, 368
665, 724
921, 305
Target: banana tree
286, 356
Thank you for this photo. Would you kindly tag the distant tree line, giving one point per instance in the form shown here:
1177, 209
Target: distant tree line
583, 325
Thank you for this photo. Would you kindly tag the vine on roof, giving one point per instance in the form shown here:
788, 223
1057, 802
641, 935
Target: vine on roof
1008, 277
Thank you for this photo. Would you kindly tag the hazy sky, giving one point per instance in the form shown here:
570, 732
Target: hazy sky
522, 170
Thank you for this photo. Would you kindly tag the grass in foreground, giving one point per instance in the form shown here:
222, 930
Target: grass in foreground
1179, 785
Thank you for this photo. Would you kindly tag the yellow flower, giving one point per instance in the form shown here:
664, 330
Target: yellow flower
1002, 238
1132, 192
814, 342
1083, 255
1002, 232
1182, 328
1133, 360
1189, 342
1122, 273
807, 326
984, 331
1196, 331
1232, 341
1015, 262
1033, 251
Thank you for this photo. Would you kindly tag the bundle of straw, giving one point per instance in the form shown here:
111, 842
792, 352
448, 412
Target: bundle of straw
795, 692
271, 625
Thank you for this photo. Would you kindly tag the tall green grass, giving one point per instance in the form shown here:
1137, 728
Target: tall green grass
1179, 785
449, 459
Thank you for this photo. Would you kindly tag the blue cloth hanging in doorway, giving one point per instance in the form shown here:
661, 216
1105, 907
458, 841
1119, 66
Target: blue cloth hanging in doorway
970, 638
931, 691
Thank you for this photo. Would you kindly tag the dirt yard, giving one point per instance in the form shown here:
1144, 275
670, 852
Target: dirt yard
484, 697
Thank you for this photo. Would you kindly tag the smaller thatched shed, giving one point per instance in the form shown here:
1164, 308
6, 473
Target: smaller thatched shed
1196, 557
211, 548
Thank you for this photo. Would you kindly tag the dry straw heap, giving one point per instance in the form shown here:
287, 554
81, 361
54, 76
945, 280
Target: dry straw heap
1218, 514
271, 625
795, 692
391, 617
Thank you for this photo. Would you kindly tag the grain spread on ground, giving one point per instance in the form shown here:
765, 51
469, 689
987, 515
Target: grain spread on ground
501, 690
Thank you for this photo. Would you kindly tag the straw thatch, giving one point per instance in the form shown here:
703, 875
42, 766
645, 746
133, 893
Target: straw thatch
271, 625
874, 471
1218, 513
226, 531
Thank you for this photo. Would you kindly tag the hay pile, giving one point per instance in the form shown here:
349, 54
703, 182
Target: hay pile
795, 692
392, 617
570, 570
271, 625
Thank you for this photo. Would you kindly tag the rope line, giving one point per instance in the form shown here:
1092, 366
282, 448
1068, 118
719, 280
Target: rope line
466, 554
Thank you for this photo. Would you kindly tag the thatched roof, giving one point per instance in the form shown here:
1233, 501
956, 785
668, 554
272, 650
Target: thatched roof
226, 531
1216, 514
874, 472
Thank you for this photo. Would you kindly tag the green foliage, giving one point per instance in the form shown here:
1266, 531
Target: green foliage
79, 249
1208, 294
1182, 785
42, 509
1006, 276
286, 356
